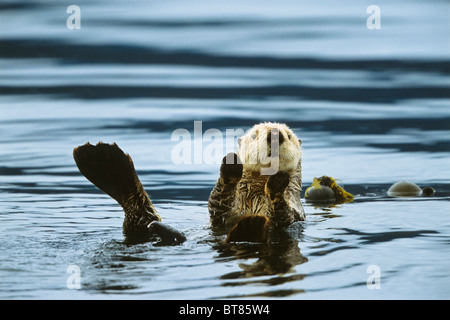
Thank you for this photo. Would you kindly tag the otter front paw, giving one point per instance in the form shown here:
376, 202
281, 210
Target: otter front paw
277, 183
231, 167
250, 228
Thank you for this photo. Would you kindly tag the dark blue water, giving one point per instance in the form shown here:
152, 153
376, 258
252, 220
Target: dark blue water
371, 107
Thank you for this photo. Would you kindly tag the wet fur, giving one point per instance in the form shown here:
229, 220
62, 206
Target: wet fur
113, 172
242, 193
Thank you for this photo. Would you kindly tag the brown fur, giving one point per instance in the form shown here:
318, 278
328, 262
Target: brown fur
242, 192
254, 228
112, 171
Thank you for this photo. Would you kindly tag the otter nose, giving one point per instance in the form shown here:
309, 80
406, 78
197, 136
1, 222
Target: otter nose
275, 136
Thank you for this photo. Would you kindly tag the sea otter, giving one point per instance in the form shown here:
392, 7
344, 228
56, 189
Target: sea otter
259, 186
112, 171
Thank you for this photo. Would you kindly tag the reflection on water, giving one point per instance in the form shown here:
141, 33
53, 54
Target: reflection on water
277, 259
274, 258
371, 108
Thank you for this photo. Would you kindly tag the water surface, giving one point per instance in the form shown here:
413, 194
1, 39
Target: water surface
371, 108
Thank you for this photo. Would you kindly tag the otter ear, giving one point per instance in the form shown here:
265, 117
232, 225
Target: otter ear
300, 141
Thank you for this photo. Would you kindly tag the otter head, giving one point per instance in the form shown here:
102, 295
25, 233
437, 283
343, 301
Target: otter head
269, 148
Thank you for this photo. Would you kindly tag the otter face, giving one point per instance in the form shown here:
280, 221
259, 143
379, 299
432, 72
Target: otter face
270, 145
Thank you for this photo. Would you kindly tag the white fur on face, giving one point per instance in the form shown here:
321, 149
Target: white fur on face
255, 151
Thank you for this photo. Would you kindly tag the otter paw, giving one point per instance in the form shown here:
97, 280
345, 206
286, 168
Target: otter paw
231, 167
278, 183
250, 228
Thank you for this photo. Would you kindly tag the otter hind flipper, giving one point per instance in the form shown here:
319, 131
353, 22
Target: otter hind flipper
250, 228
108, 168
112, 171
